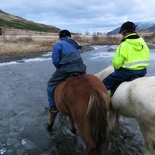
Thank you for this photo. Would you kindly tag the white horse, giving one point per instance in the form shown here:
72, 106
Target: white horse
135, 99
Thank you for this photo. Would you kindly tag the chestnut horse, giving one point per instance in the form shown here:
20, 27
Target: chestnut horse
85, 100
135, 99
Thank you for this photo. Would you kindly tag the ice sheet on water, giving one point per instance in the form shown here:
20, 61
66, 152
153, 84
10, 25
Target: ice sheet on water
3, 150
28, 144
13, 142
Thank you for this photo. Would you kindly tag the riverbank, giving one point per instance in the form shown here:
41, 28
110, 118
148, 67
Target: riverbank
20, 56
16, 46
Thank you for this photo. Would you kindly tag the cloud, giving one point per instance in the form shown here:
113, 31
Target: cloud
82, 16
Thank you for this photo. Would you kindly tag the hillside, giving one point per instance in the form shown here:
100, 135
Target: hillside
10, 21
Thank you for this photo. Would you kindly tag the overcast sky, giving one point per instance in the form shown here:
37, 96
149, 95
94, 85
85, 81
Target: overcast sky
82, 15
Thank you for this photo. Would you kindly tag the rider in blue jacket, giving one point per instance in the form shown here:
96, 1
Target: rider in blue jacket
67, 60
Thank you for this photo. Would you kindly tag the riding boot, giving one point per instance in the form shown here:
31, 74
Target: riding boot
53, 110
53, 115
50, 93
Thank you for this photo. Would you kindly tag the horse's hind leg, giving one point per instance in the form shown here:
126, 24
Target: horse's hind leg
73, 129
112, 119
91, 147
150, 150
148, 131
150, 146
51, 121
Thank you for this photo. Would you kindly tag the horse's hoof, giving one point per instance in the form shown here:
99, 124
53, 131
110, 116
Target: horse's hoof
48, 127
73, 131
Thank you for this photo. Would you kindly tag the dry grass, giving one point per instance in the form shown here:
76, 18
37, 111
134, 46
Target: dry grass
98, 39
15, 43
22, 42
25, 44
150, 37
18, 43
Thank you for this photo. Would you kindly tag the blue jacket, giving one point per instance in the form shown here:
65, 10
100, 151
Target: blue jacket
66, 56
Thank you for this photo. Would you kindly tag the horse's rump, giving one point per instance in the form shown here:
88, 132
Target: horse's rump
70, 91
136, 98
86, 100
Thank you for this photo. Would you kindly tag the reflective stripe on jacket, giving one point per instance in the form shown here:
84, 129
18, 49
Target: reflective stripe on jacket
132, 53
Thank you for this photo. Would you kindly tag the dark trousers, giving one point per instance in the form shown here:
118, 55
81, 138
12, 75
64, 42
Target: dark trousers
121, 75
56, 78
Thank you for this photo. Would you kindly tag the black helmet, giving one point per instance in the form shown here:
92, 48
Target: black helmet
64, 33
128, 26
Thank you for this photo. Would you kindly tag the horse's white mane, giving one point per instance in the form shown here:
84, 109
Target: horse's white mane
104, 73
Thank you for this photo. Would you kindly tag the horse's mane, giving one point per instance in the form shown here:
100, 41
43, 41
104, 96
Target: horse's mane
104, 73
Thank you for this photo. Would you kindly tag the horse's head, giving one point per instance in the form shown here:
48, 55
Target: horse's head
104, 73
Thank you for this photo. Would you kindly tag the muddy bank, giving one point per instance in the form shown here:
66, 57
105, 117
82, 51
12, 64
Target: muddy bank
19, 56
14, 57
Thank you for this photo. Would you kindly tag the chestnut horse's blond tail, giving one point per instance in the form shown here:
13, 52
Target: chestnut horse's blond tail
97, 117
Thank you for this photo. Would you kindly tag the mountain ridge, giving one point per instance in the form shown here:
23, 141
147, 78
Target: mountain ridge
11, 21
145, 27
8, 20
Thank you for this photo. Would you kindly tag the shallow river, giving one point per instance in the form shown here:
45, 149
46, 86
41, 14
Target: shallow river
22, 115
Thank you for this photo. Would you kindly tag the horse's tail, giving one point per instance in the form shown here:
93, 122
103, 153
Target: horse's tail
97, 117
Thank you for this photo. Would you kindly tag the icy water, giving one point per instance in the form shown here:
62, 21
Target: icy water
22, 115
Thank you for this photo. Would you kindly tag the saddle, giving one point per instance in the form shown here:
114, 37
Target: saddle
73, 75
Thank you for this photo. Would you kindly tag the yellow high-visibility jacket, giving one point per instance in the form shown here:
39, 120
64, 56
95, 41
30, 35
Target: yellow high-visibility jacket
132, 54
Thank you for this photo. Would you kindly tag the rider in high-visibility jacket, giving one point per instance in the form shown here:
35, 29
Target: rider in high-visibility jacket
131, 54
131, 58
